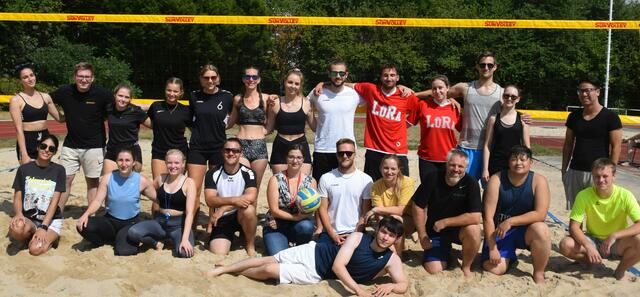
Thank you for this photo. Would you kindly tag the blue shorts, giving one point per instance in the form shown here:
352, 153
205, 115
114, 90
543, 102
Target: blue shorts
514, 239
475, 162
441, 245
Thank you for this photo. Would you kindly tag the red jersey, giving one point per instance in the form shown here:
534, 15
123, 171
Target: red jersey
437, 122
386, 126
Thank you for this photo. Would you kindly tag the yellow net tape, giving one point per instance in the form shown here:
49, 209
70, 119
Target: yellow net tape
316, 21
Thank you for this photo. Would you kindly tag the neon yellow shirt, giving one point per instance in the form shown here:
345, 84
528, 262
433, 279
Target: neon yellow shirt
605, 216
383, 196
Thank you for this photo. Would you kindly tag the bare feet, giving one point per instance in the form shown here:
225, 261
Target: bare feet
159, 246
214, 272
467, 273
251, 251
538, 277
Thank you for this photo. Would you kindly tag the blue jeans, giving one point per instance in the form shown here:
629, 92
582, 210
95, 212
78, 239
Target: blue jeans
276, 240
151, 231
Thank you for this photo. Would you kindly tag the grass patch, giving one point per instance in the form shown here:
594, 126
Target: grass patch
539, 150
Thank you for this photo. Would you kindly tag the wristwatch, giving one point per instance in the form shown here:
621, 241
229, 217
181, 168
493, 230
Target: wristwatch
45, 227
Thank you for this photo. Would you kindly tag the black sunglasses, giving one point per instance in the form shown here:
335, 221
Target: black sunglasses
336, 73
488, 65
232, 150
250, 77
51, 148
345, 153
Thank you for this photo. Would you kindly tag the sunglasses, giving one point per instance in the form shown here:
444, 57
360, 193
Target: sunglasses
232, 150
487, 65
586, 91
348, 154
510, 97
337, 73
251, 77
207, 78
51, 148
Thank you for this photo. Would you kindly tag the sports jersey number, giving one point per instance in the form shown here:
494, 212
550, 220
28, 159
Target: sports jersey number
220, 106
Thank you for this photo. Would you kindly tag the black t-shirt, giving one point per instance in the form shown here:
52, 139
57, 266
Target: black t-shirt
591, 137
169, 125
124, 125
38, 184
210, 113
85, 114
443, 201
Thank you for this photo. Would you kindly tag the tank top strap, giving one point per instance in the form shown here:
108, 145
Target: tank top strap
25, 101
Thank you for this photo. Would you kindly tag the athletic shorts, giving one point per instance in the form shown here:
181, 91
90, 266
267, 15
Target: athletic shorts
514, 239
475, 162
89, 159
31, 141
213, 158
281, 145
372, 160
323, 163
226, 227
254, 149
441, 245
613, 251
111, 153
429, 168
160, 155
575, 181
55, 225
298, 265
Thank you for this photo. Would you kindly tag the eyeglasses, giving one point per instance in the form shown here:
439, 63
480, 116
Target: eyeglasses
228, 150
487, 65
586, 91
251, 77
209, 78
51, 148
510, 97
337, 73
348, 154
295, 158
83, 77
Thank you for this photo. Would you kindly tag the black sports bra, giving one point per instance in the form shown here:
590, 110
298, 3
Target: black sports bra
176, 201
32, 114
248, 116
290, 123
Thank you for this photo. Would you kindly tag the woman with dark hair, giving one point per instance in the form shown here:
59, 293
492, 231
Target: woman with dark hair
30, 120
289, 115
124, 119
122, 187
37, 188
285, 221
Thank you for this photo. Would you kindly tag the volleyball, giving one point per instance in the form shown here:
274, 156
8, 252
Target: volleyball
308, 200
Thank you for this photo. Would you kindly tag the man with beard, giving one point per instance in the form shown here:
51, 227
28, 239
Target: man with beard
346, 196
361, 258
454, 210
336, 107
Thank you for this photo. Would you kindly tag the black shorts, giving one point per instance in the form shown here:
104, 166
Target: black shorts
281, 145
429, 168
226, 227
31, 141
372, 160
323, 163
112, 152
213, 158
160, 155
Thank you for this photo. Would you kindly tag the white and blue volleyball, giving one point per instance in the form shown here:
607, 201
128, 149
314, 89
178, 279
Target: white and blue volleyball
308, 200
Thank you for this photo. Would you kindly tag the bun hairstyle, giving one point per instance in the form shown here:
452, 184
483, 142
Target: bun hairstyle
21, 65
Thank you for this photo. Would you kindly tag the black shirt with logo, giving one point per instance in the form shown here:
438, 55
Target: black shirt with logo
38, 185
169, 124
124, 125
210, 113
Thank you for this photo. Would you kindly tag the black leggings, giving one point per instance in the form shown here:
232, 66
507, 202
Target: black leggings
110, 230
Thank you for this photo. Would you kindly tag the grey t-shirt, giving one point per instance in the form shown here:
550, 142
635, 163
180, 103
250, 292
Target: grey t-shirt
477, 110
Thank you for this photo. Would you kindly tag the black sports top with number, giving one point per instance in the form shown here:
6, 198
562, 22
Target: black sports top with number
38, 185
290, 123
124, 125
248, 116
364, 265
444, 201
591, 137
176, 201
32, 114
210, 113
169, 125
85, 114
230, 184
504, 138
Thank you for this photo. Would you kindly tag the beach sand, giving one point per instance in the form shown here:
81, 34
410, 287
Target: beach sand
73, 269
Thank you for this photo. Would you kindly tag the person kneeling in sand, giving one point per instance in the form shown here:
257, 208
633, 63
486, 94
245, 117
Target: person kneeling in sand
606, 207
516, 202
359, 259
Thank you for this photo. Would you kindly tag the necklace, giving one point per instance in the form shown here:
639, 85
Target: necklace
173, 109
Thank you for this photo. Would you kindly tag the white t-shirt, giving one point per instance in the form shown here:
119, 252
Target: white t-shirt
336, 112
345, 193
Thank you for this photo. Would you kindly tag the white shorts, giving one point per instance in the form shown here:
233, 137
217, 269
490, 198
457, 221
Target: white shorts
55, 226
298, 265
90, 159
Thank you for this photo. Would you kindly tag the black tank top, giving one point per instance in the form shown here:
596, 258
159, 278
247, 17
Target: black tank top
291, 123
176, 201
504, 138
32, 114
248, 116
